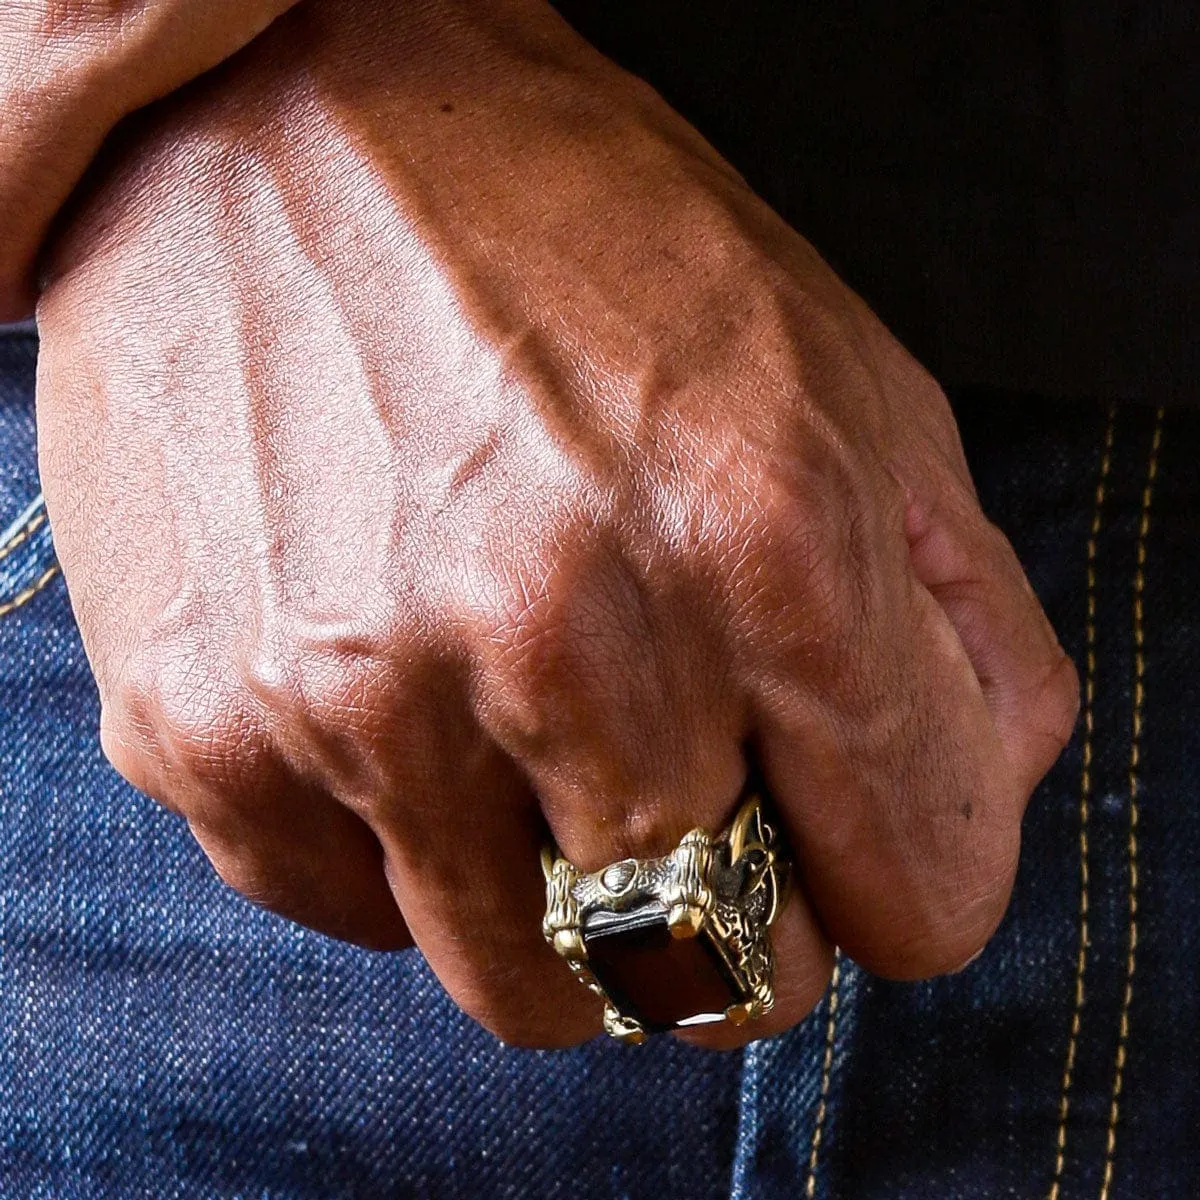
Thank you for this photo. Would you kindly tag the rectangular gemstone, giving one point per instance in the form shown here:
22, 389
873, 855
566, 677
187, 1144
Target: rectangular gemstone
660, 980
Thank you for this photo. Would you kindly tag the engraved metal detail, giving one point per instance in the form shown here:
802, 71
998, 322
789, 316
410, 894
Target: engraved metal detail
729, 888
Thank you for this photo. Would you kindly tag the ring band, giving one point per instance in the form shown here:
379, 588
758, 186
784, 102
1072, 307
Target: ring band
676, 941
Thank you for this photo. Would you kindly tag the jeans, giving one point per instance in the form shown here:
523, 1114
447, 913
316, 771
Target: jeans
160, 1037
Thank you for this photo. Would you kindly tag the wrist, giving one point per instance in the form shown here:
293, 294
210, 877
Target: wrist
68, 74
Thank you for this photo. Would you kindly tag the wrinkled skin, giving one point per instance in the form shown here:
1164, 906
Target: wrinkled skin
442, 443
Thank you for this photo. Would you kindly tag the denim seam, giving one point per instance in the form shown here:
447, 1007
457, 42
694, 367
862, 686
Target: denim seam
748, 1122
810, 1185
24, 596
1085, 796
11, 535
21, 536
1135, 753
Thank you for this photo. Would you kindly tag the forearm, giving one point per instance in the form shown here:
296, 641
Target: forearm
69, 71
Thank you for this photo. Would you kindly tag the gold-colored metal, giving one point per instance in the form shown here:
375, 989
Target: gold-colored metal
739, 1014
622, 1028
685, 920
729, 889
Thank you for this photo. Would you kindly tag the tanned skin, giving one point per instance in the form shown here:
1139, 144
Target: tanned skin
443, 445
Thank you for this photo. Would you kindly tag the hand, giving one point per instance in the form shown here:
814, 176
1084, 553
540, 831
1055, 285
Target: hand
441, 442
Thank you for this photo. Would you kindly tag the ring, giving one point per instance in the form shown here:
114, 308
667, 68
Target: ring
677, 941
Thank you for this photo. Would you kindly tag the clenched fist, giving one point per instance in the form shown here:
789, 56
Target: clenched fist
443, 444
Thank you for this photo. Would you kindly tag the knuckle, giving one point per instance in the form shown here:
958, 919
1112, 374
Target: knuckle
316, 689
245, 872
563, 629
970, 929
796, 529
175, 720
128, 739
217, 744
535, 645
1046, 707
801, 554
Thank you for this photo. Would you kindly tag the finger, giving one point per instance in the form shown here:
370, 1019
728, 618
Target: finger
615, 702
875, 737
310, 860
286, 846
1029, 684
803, 965
462, 835
619, 713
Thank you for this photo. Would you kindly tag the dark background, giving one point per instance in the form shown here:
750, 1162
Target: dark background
1012, 186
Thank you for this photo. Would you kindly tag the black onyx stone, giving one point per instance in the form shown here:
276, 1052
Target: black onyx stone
660, 980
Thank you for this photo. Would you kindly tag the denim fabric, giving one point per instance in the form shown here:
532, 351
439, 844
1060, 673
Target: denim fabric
159, 1037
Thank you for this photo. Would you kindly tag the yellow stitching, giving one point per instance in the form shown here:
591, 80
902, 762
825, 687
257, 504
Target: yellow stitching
1085, 796
34, 524
1135, 753
810, 1185
28, 594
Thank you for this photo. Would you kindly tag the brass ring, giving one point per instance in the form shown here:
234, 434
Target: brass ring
676, 941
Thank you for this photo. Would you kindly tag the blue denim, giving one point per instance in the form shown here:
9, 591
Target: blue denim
160, 1037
